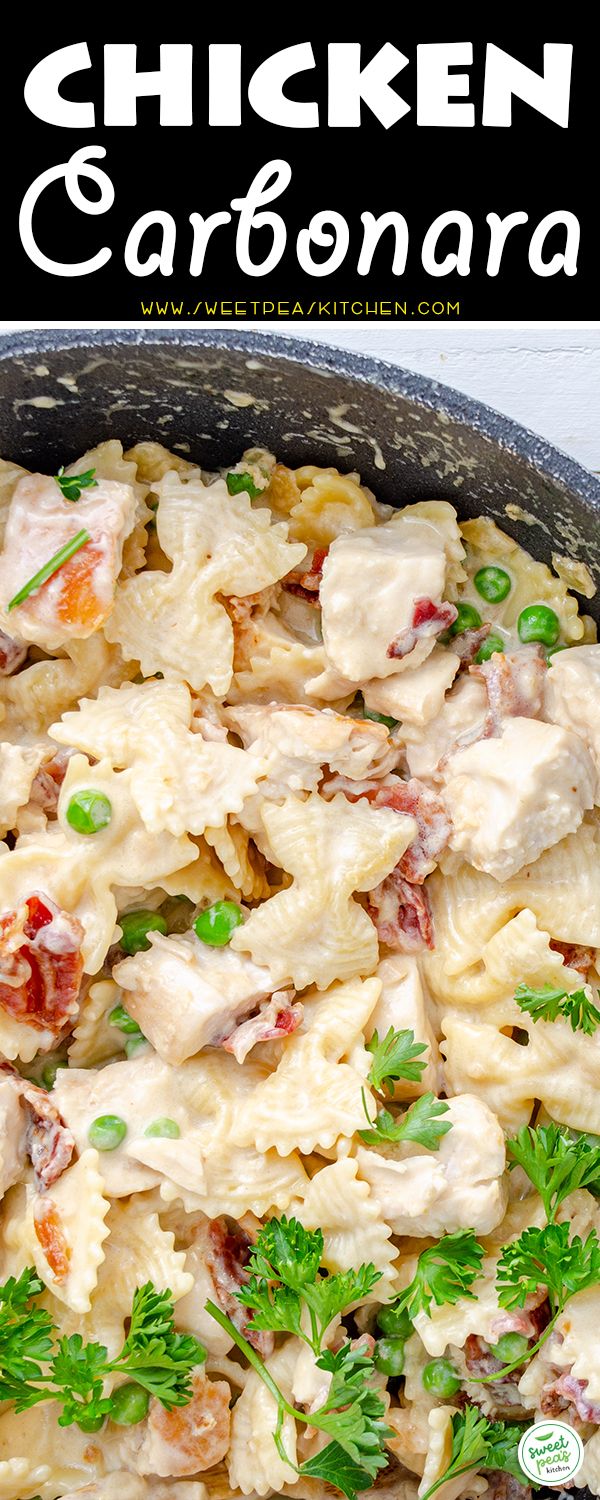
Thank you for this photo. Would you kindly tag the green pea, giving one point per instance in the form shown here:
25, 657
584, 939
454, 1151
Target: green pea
89, 812
369, 713
129, 1404
552, 650
216, 925
134, 1044
440, 1378
120, 1017
510, 1347
538, 623
489, 647
468, 618
50, 1070
136, 925
389, 1356
163, 1127
89, 1423
394, 1320
493, 584
107, 1132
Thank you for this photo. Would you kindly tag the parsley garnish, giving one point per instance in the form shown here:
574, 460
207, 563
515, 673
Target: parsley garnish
49, 568
394, 1058
285, 1276
545, 1258
554, 1163
286, 1280
35, 1367
237, 483
479, 1444
548, 1004
71, 485
420, 1123
445, 1272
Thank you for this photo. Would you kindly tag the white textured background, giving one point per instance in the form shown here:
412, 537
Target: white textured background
546, 378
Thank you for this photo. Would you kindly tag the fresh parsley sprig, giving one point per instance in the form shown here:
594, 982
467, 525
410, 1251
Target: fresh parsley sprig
554, 1163
479, 1444
547, 1004
420, 1123
286, 1279
35, 1367
395, 1057
352, 1415
445, 1273
71, 485
545, 1258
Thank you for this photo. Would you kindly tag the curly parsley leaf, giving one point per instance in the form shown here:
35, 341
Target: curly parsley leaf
554, 1163
547, 1004
547, 1257
335, 1467
153, 1354
286, 1275
420, 1123
394, 1058
71, 485
480, 1444
238, 483
25, 1334
445, 1273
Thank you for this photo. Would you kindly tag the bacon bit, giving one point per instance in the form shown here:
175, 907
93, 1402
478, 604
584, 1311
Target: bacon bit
402, 914
227, 1256
575, 956
41, 964
531, 1320
433, 824
307, 585
48, 1141
47, 782
514, 683
275, 1018
197, 1434
49, 1232
570, 1387
505, 1486
427, 619
479, 1359
467, 644
12, 654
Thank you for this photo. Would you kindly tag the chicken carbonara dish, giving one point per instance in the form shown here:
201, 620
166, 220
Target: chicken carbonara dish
299, 1013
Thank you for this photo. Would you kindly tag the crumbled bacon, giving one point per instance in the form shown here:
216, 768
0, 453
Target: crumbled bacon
514, 682
306, 585
573, 1390
505, 1486
479, 1359
40, 964
467, 643
402, 914
275, 1018
433, 824
48, 1141
575, 956
227, 1256
427, 619
50, 1235
529, 1320
47, 782
12, 654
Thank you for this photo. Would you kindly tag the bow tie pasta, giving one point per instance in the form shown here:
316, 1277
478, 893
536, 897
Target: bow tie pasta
299, 989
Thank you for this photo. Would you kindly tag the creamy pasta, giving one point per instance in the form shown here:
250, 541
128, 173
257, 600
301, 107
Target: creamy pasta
299, 1025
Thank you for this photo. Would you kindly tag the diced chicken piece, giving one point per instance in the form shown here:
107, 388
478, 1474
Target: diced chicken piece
212, 986
77, 599
12, 1135
121, 1485
572, 697
414, 697
188, 1439
512, 797
459, 1186
19, 765
138, 1091
462, 719
297, 742
401, 568
403, 1005
41, 964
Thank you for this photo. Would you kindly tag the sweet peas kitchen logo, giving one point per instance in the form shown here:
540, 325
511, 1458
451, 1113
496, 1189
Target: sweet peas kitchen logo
550, 1453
